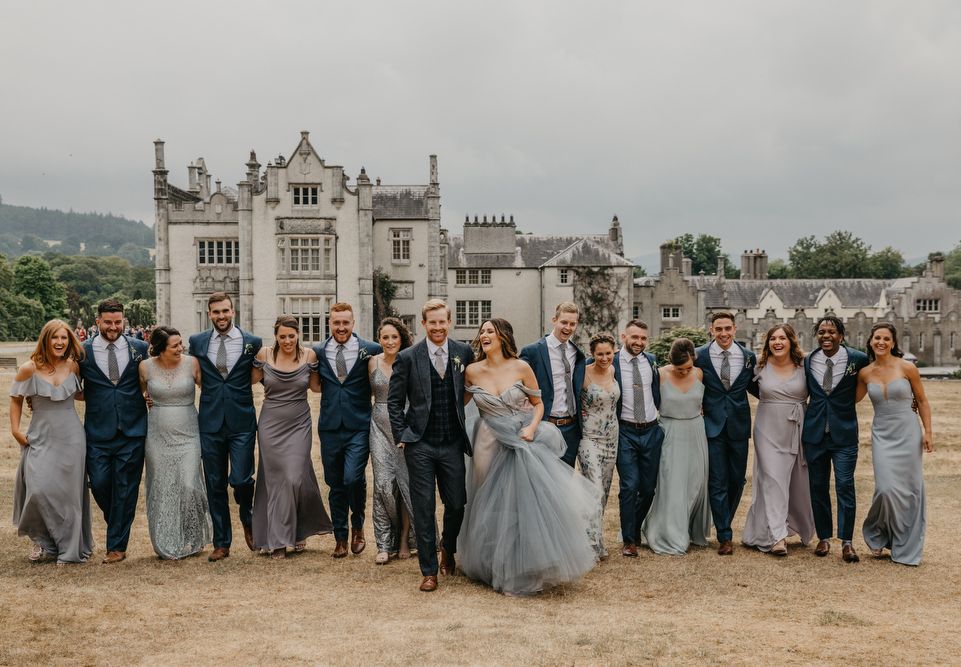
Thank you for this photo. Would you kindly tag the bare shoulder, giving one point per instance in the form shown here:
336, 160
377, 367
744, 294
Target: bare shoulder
26, 371
910, 370
311, 355
261, 354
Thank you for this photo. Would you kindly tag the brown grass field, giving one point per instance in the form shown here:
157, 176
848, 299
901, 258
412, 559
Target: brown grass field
696, 609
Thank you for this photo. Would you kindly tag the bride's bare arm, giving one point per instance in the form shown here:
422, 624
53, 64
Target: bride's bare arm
527, 433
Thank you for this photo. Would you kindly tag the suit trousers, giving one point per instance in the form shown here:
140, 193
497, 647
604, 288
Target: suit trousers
638, 460
844, 457
444, 466
727, 466
114, 468
228, 459
344, 455
572, 436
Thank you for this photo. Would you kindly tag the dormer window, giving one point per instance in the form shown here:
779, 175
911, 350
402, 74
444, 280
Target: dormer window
305, 196
927, 305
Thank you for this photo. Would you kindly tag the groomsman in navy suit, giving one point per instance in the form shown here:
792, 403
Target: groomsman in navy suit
728, 368
228, 421
639, 437
344, 424
115, 423
558, 365
830, 433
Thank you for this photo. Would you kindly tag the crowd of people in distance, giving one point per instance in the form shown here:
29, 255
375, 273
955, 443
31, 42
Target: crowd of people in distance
516, 514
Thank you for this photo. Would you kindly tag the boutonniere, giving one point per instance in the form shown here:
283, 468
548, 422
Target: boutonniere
457, 364
363, 355
248, 349
137, 357
749, 362
850, 370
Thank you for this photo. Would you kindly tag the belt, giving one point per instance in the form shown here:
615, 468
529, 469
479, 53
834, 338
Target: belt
561, 421
640, 426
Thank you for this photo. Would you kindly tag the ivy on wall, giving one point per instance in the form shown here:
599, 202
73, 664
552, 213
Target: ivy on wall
597, 293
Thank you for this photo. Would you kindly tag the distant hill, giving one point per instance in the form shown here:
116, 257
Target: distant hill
24, 229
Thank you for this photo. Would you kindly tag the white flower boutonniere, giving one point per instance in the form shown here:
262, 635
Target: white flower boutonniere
137, 357
363, 355
749, 361
248, 349
851, 370
457, 364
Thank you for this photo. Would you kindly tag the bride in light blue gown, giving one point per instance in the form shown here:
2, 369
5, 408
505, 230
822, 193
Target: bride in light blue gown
526, 524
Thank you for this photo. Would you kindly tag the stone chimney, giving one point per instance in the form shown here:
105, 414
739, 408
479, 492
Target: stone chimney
672, 256
936, 264
616, 236
687, 266
498, 238
754, 264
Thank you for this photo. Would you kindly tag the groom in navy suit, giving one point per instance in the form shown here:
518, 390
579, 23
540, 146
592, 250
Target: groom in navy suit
558, 365
830, 433
115, 422
728, 368
426, 406
228, 422
344, 424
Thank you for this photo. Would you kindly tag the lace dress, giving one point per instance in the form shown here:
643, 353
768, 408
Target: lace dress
597, 451
177, 513
526, 524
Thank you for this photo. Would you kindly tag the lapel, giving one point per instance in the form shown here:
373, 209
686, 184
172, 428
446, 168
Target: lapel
747, 366
131, 363
203, 343
813, 386
707, 364
421, 367
326, 361
92, 360
546, 360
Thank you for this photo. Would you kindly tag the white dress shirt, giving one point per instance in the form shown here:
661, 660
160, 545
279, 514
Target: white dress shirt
626, 363
560, 408
736, 359
818, 366
234, 346
351, 350
432, 351
100, 353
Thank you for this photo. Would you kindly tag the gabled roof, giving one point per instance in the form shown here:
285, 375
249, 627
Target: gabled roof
399, 202
177, 194
531, 252
586, 252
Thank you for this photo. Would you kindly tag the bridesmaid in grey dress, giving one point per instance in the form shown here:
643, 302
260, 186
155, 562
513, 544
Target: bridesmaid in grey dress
177, 514
51, 504
896, 519
392, 507
597, 451
288, 507
780, 492
681, 512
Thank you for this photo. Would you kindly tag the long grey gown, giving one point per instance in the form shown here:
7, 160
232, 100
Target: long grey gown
897, 517
51, 504
526, 524
288, 507
681, 511
178, 517
391, 482
780, 492
597, 451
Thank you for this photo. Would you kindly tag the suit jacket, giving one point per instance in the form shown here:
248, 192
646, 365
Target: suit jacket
111, 408
410, 385
655, 381
726, 410
835, 409
538, 357
226, 404
345, 404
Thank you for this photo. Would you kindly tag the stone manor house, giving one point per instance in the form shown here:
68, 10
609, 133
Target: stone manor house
297, 236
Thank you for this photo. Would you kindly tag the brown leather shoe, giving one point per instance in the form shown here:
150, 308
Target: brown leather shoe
357, 541
726, 548
249, 536
823, 548
848, 554
340, 549
114, 557
447, 563
629, 550
429, 584
218, 554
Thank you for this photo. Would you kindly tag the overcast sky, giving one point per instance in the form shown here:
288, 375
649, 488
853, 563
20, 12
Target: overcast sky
755, 121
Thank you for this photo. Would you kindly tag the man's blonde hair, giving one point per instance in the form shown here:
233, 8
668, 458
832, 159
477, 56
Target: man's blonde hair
434, 304
566, 307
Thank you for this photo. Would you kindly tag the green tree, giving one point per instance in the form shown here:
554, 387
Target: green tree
639, 271
662, 344
140, 312
886, 263
952, 267
134, 254
34, 279
840, 255
777, 269
384, 291
704, 251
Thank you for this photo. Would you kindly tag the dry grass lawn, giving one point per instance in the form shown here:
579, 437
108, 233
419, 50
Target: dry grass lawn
749, 609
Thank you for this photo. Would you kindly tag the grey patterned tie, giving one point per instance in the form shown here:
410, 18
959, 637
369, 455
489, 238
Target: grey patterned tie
439, 364
639, 412
341, 363
726, 369
222, 356
113, 368
568, 385
828, 382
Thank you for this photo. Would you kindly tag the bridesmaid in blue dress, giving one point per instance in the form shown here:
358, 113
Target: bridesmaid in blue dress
896, 519
51, 504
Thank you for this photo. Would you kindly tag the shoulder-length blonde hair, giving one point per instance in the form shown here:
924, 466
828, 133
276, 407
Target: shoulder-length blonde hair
797, 354
41, 356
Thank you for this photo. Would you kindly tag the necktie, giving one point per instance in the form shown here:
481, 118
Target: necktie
113, 368
341, 363
222, 356
639, 412
439, 364
828, 382
726, 369
568, 385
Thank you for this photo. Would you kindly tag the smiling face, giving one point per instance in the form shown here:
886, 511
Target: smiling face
488, 339
564, 325
723, 330
110, 325
829, 338
778, 344
341, 325
603, 356
882, 342
287, 338
174, 350
221, 314
436, 324
389, 339
634, 339
59, 344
